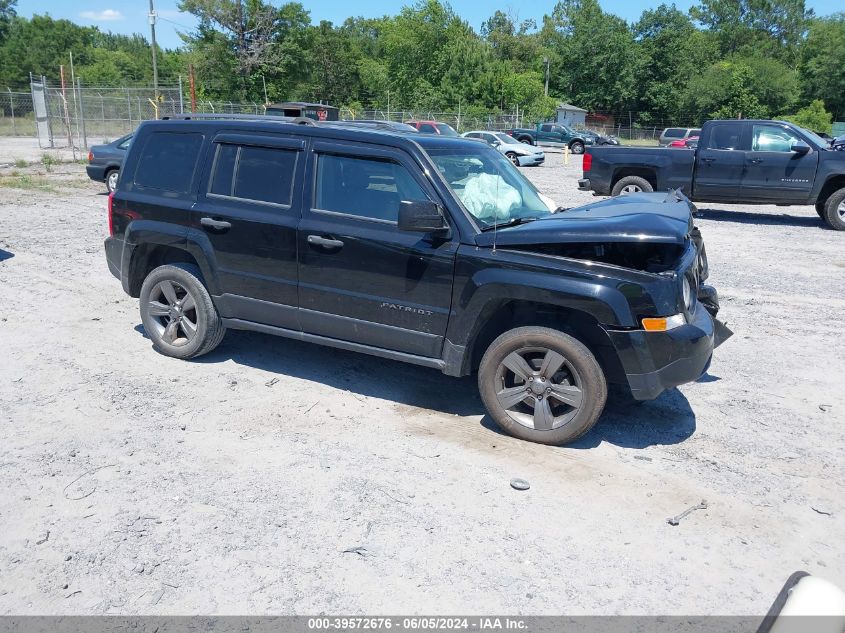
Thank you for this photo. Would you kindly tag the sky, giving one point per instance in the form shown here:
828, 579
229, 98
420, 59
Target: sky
130, 16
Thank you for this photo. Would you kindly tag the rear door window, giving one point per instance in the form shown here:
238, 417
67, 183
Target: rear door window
168, 160
725, 136
258, 174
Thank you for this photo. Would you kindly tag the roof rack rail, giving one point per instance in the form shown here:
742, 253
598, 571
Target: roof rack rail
272, 118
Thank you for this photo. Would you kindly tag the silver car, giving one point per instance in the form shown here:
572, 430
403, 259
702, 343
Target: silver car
520, 154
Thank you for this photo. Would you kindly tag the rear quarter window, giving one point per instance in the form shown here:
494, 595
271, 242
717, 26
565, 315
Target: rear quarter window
168, 160
674, 132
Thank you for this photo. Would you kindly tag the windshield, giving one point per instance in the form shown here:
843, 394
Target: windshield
818, 140
489, 186
446, 130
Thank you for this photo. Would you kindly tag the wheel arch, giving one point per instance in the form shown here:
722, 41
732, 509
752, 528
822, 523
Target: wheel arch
149, 256
832, 184
501, 315
647, 173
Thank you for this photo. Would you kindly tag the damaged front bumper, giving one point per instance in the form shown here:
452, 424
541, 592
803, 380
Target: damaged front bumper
656, 361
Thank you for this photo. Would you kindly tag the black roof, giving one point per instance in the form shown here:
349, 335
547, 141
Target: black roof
325, 129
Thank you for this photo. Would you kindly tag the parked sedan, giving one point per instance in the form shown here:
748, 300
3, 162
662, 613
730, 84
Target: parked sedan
104, 161
520, 154
433, 127
600, 139
686, 143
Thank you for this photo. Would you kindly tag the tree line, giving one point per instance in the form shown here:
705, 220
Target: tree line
722, 58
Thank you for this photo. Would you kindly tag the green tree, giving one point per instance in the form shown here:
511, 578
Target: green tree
726, 91
7, 12
238, 42
672, 51
761, 85
813, 117
823, 63
597, 59
768, 27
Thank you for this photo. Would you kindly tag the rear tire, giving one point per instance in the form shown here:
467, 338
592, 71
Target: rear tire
834, 210
631, 184
111, 180
577, 147
541, 385
177, 312
526, 139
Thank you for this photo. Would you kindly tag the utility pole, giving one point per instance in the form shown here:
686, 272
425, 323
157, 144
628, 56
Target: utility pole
546, 62
152, 17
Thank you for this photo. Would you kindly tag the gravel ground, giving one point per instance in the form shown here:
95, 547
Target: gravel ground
137, 484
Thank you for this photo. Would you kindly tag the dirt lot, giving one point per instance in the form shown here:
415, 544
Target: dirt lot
133, 483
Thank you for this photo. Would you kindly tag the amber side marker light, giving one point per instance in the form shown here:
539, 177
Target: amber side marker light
662, 324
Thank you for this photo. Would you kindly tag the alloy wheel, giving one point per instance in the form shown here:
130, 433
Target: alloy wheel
111, 180
631, 189
174, 313
538, 388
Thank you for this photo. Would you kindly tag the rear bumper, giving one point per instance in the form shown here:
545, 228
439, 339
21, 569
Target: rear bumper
96, 172
656, 361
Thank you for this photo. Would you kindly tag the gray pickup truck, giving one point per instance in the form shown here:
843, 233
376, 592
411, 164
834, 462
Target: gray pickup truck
737, 161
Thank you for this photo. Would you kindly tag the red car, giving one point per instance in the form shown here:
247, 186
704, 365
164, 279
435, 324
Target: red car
688, 143
433, 127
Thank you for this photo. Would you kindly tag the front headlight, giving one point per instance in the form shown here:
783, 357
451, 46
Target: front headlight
687, 290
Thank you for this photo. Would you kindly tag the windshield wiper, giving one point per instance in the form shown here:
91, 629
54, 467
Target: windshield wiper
511, 222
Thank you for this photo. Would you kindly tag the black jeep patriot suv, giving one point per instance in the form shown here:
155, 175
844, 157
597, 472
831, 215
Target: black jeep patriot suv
419, 248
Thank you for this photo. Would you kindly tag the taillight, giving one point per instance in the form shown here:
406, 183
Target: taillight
90, 156
111, 214
588, 161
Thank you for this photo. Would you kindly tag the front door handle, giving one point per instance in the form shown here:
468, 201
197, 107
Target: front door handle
325, 242
708, 160
756, 161
217, 225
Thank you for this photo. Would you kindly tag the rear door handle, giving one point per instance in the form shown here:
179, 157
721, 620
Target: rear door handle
217, 225
325, 242
708, 160
756, 161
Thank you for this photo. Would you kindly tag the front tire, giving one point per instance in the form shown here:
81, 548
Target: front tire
834, 210
541, 385
177, 312
631, 184
513, 158
577, 147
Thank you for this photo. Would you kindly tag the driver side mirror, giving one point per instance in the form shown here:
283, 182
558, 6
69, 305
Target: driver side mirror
800, 147
421, 217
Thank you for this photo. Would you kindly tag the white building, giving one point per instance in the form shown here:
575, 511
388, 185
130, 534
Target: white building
573, 116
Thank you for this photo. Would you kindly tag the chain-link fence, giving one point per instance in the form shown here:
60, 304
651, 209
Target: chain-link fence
75, 115
16, 116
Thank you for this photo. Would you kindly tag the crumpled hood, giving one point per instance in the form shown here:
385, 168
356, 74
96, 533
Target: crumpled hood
664, 218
